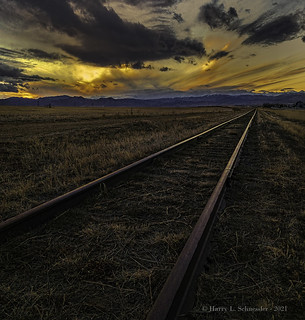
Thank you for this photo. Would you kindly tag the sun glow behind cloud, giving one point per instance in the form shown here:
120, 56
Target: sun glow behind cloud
128, 48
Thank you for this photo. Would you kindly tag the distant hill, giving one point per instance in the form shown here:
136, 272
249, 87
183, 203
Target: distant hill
205, 100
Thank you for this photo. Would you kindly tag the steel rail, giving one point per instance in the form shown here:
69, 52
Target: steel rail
175, 298
41, 213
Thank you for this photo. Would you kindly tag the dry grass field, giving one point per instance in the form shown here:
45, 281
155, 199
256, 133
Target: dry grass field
297, 115
257, 257
120, 246
291, 121
109, 257
45, 152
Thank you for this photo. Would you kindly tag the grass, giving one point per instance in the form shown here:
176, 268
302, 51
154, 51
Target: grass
292, 121
258, 257
48, 151
109, 258
291, 114
113, 258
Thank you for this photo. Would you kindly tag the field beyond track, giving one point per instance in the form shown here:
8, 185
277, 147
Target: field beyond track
49, 151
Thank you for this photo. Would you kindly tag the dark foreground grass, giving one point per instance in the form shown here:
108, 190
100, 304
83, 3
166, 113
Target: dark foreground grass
109, 258
258, 255
45, 152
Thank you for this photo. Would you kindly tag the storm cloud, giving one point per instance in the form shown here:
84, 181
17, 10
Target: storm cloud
267, 29
216, 16
9, 72
12, 78
8, 87
9, 53
140, 65
276, 30
103, 38
30, 53
42, 55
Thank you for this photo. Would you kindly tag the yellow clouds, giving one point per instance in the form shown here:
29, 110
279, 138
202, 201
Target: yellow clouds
88, 74
22, 94
90, 80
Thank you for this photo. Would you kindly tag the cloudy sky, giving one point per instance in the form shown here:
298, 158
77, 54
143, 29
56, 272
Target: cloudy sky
150, 48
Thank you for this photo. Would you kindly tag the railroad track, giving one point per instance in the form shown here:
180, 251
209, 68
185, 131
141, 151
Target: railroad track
146, 220
37, 215
175, 298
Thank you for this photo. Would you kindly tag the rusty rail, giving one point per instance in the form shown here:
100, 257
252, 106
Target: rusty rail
175, 298
37, 215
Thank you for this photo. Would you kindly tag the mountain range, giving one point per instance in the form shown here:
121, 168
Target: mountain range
220, 99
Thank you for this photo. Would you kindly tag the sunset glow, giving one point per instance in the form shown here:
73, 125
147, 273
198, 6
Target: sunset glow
150, 48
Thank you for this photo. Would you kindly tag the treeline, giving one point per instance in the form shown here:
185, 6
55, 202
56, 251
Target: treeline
298, 105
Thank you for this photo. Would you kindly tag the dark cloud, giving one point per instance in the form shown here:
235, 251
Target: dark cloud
104, 38
8, 87
42, 55
7, 71
9, 53
303, 38
140, 65
178, 17
268, 29
192, 61
164, 69
13, 78
35, 53
179, 59
12, 56
278, 30
216, 16
218, 55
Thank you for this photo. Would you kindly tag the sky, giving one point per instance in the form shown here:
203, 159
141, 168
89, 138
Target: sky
150, 48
